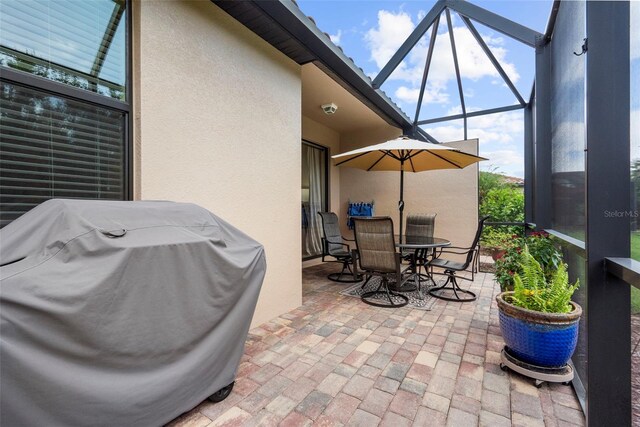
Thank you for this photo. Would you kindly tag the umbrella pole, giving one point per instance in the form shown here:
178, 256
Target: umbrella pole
401, 202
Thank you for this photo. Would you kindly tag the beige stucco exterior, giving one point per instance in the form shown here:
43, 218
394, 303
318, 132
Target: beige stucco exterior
218, 123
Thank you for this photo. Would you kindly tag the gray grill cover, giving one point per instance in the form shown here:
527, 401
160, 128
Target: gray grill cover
134, 330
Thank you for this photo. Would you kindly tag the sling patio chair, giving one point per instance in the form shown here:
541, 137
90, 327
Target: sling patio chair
378, 257
450, 268
418, 226
333, 245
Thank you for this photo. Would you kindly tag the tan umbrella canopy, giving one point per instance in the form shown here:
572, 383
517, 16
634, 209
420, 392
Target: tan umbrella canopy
405, 154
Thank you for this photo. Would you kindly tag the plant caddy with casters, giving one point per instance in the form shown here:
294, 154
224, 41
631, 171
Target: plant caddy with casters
539, 323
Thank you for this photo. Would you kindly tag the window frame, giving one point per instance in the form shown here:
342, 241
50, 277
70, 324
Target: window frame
44, 85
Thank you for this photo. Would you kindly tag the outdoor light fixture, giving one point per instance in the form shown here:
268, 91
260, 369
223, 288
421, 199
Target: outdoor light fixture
329, 108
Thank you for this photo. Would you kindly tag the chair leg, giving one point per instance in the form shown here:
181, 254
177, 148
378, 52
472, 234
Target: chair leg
350, 277
428, 273
377, 297
366, 281
386, 288
460, 295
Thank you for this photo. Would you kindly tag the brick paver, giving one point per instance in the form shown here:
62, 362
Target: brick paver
336, 361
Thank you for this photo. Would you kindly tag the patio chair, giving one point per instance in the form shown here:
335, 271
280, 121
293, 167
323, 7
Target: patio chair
378, 257
419, 225
451, 267
333, 245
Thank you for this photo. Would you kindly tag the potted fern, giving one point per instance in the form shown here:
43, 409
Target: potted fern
538, 320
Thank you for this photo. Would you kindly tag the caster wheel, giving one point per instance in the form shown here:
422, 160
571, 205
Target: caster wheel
538, 383
504, 367
221, 394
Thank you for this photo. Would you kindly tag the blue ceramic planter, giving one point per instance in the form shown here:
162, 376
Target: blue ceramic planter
541, 339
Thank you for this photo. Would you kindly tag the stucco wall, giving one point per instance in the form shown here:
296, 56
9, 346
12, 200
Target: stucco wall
451, 194
220, 125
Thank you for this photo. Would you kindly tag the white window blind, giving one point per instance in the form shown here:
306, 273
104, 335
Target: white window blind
52, 147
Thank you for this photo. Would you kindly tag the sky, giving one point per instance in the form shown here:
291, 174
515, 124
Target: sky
371, 31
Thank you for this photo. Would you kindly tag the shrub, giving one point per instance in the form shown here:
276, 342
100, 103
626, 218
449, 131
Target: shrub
502, 204
540, 246
533, 290
487, 181
507, 266
495, 238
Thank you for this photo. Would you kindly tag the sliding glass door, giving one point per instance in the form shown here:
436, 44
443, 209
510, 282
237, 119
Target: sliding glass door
314, 197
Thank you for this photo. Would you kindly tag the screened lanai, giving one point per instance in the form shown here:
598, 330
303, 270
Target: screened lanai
163, 125
580, 133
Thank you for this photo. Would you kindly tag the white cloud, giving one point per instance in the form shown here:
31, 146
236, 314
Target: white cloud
431, 95
490, 136
502, 128
392, 30
505, 125
335, 38
503, 159
455, 110
446, 133
406, 94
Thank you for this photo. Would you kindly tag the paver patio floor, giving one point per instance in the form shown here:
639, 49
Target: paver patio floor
337, 361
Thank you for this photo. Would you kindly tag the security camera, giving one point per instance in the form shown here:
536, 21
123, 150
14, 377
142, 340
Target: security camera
329, 108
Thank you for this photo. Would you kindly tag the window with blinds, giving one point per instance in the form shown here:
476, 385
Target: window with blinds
68, 139
52, 147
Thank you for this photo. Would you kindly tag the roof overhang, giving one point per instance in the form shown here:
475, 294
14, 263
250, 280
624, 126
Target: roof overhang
283, 25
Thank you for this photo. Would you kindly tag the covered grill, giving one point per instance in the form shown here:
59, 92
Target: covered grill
121, 313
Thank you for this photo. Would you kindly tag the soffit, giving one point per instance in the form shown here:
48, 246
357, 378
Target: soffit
318, 89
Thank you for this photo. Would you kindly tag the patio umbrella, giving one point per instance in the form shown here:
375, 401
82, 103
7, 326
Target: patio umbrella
405, 154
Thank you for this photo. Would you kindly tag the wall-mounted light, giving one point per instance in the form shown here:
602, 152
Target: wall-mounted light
329, 108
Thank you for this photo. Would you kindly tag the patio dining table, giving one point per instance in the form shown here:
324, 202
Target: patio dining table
421, 245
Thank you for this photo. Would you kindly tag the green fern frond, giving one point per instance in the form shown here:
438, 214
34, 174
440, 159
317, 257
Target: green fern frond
533, 291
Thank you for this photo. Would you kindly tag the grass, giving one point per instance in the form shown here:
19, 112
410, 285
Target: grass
635, 254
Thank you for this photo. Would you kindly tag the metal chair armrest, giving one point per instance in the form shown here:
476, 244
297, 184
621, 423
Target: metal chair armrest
447, 250
338, 243
454, 252
458, 247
